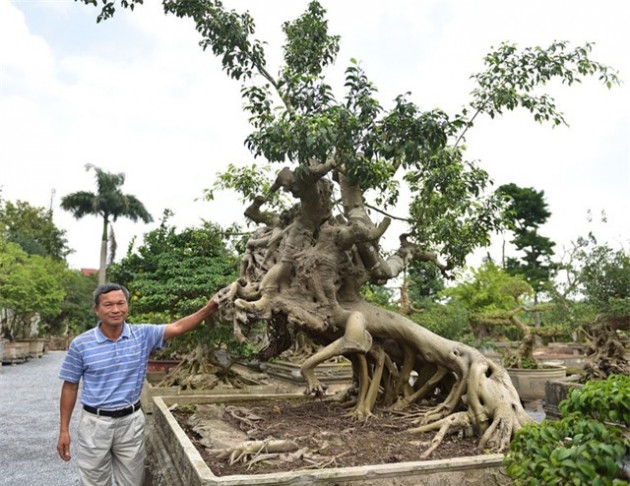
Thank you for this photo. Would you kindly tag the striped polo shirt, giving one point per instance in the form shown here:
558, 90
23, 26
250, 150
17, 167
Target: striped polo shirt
113, 372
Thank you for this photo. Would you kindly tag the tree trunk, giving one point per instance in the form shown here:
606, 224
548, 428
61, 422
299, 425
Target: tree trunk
102, 269
304, 272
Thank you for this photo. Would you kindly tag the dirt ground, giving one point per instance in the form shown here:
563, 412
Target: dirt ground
316, 434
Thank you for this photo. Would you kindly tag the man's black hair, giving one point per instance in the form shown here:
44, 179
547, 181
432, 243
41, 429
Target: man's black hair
106, 288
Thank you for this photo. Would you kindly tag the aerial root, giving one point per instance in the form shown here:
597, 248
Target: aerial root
359, 415
259, 308
435, 414
459, 420
497, 436
250, 450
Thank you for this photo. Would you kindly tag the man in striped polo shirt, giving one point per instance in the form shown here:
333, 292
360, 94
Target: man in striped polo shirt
112, 361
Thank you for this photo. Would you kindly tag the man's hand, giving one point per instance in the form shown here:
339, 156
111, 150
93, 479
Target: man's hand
63, 446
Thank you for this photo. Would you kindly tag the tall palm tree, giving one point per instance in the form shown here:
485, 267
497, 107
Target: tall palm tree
109, 202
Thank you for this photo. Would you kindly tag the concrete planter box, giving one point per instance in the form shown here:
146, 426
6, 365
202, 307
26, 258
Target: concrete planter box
151, 391
59, 343
15, 352
35, 347
530, 383
162, 365
555, 392
327, 373
175, 461
257, 383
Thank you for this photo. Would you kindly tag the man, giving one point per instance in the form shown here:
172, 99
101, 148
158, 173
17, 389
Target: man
112, 360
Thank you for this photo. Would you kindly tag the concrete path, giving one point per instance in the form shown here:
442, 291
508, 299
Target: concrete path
29, 424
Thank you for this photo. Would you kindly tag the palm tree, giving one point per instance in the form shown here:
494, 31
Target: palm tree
110, 203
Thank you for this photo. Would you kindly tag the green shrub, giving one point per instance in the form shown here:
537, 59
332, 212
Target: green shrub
607, 400
584, 447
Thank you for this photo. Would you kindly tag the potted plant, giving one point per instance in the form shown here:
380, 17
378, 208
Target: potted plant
500, 304
598, 296
528, 375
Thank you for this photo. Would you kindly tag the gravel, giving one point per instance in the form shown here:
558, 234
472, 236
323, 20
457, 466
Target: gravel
29, 424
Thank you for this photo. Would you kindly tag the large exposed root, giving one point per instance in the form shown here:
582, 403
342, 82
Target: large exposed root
458, 421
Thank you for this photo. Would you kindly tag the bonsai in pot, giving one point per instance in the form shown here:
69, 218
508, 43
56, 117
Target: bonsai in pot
501, 304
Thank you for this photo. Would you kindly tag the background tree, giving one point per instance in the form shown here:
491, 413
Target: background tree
109, 203
526, 212
30, 285
598, 296
343, 164
33, 229
76, 309
489, 290
173, 273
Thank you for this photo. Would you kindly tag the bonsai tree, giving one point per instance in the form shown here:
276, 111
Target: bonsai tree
526, 211
502, 305
342, 164
599, 284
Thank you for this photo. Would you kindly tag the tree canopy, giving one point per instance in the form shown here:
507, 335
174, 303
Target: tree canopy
33, 229
109, 203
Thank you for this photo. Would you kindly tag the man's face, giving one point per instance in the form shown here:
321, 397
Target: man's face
112, 309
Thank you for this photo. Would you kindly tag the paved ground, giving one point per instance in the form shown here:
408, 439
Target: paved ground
29, 424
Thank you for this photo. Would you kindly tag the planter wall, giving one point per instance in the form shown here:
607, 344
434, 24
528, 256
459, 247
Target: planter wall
150, 391
174, 460
59, 343
162, 365
555, 392
327, 373
35, 347
15, 352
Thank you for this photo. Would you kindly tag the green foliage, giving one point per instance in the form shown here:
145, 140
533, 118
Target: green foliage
596, 282
174, 273
424, 281
250, 182
109, 203
526, 211
33, 229
605, 278
297, 119
447, 320
578, 449
489, 289
377, 295
77, 314
309, 48
604, 400
29, 285
512, 76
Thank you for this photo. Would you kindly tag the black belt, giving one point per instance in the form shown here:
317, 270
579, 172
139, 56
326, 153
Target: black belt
121, 412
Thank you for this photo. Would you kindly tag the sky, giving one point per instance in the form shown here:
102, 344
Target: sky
136, 94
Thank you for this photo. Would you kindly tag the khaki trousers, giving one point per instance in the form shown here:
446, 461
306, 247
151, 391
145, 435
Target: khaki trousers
111, 450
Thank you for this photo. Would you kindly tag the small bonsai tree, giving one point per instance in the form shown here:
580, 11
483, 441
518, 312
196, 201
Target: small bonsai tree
499, 303
589, 445
597, 296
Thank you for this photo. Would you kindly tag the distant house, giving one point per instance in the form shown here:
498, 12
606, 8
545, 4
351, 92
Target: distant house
89, 271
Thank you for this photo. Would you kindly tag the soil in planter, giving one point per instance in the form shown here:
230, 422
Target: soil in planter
324, 436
